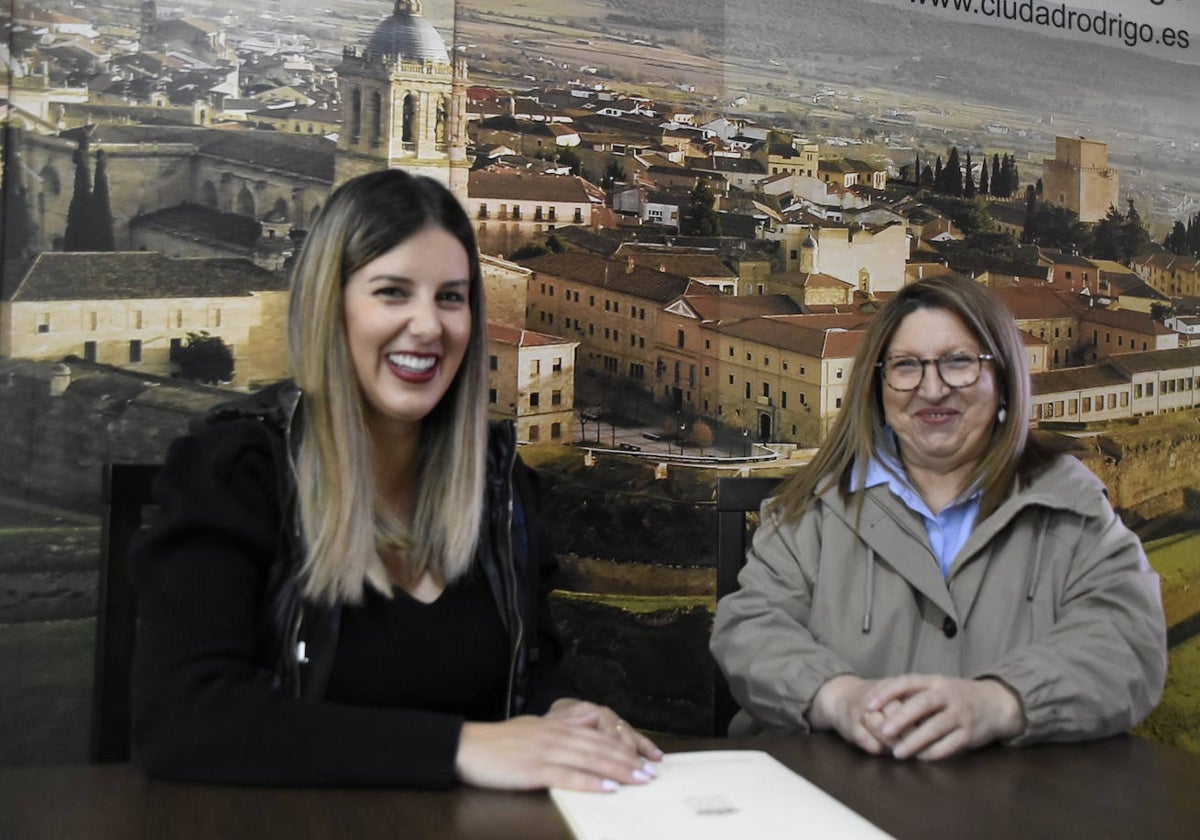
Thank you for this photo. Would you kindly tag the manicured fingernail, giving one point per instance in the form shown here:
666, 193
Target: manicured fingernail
640, 776
649, 769
609, 785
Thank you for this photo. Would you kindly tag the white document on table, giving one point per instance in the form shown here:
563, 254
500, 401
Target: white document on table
723, 794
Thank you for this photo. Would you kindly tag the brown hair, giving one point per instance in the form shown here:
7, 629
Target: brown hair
853, 436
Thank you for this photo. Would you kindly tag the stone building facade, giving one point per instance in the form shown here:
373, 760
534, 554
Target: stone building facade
531, 380
133, 310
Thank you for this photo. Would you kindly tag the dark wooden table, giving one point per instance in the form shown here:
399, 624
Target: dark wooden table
1120, 787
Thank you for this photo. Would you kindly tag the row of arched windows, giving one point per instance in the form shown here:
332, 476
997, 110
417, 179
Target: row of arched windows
366, 117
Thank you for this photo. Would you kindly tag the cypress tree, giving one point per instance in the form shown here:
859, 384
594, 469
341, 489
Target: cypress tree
1106, 236
939, 181
701, 219
1176, 240
997, 184
76, 237
983, 177
1029, 234
16, 232
1005, 180
969, 179
1133, 237
102, 220
953, 173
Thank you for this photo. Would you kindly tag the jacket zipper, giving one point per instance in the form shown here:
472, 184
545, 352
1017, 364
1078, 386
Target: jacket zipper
297, 649
514, 607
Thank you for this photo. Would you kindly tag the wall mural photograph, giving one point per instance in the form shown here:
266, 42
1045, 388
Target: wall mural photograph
688, 215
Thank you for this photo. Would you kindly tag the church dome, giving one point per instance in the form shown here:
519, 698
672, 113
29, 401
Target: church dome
406, 34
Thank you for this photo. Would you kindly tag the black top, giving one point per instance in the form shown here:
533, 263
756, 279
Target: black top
213, 700
388, 646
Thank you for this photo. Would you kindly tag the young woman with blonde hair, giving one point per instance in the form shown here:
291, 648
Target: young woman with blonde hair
347, 584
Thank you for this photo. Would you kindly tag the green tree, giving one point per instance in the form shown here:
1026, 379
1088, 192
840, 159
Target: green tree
102, 220
984, 183
613, 174
1176, 240
1029, 233
1056, 227
570, 158
1004, 185
939, 178
927, 177
968, 179
78, 235
701, 218
529, 251
204, 358
1134, 237
1162, 311
1106, 237
17, 229
967, 216
996, 185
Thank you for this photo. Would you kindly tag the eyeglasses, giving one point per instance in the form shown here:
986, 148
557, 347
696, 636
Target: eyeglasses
957, 370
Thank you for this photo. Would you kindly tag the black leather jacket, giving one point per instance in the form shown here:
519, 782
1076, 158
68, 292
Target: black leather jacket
300, 638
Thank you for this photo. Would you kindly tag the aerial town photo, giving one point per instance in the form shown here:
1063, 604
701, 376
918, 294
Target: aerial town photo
688, 214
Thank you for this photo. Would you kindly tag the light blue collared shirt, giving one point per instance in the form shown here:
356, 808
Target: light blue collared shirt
948, 530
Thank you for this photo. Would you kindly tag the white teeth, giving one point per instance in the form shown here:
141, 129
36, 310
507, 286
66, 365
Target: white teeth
417, 363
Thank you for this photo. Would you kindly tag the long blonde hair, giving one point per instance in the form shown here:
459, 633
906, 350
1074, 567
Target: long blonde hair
346, 528
1012, 453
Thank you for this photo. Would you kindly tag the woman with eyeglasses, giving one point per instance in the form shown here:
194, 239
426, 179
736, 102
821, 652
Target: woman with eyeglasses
938, 579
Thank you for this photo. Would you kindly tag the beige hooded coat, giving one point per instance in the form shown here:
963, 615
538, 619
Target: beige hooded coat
1051, 594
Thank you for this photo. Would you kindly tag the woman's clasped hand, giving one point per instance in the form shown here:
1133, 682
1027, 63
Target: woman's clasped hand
924, 716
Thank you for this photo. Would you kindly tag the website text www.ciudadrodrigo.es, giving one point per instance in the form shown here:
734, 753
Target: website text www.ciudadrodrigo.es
1061, 16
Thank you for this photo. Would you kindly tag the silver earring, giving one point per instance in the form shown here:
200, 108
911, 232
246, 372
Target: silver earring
1002, 415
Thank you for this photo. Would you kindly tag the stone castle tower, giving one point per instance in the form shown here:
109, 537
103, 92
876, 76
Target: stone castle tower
403, 103
148, 26
1079, 178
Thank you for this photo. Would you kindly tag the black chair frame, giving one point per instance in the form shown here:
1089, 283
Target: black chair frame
736, 497
125, 492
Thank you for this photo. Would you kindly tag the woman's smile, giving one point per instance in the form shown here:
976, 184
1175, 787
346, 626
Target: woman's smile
414, 367
408, 325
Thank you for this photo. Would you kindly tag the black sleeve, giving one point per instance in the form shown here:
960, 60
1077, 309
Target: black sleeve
547, 682
206, 706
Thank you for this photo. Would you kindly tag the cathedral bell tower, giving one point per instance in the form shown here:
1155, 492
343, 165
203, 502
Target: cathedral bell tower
403, 103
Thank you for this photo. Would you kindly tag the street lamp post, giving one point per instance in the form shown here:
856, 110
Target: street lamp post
745, 443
